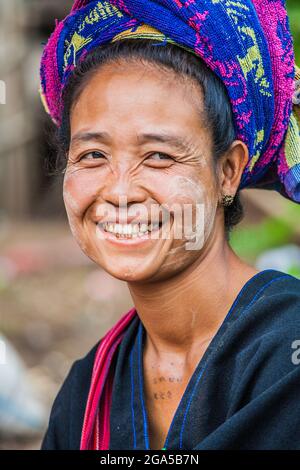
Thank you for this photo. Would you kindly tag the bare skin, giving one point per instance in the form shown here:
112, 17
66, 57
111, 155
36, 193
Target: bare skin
182, 296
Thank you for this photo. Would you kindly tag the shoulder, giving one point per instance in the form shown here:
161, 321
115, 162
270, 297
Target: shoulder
279, 304
264, 336
272, 304
67, 413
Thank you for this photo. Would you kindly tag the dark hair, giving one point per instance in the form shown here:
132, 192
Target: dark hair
216, 101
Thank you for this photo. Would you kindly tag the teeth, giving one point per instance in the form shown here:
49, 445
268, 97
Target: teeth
144, 228
129, 230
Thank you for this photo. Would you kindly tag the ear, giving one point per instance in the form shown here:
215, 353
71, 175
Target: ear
231, 168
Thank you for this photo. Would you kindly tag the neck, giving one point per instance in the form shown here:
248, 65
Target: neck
187, 309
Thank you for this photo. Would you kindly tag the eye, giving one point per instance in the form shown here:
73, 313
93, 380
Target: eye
163, 155
92, 156
159, 158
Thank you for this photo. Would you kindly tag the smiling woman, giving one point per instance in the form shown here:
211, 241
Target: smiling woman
157, 133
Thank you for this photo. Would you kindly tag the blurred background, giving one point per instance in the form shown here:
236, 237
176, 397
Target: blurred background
55, 303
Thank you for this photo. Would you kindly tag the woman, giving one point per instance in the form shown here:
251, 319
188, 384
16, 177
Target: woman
165, 110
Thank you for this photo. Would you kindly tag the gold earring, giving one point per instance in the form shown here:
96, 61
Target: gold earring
227, 200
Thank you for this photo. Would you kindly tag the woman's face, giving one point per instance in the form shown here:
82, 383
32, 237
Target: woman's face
139, 154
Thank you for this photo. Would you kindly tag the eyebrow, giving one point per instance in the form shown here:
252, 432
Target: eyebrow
178, 142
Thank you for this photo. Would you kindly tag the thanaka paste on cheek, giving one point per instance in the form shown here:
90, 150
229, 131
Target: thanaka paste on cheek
195, 203
187, 190
77, 199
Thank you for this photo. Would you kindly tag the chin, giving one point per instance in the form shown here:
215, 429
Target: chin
129, 274
122, 269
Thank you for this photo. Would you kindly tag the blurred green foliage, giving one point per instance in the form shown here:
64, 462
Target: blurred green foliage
252, 240
293, 8
249, 242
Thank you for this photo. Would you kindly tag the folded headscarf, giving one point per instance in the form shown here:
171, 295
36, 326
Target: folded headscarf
248, 44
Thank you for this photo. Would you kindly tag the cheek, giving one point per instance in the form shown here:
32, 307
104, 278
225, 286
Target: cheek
193, 202
185, 193
77, 198
79, 191
184, 188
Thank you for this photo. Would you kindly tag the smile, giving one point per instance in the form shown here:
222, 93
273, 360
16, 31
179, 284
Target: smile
129, 230
128, 233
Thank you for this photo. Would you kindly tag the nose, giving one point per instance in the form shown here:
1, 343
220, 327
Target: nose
120, 190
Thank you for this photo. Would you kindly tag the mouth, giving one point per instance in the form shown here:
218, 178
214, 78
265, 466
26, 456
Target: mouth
128, 233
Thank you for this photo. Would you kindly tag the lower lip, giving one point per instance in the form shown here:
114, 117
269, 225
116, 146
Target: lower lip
111, 237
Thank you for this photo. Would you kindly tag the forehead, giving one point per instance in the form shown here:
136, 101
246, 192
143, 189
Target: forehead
137, 95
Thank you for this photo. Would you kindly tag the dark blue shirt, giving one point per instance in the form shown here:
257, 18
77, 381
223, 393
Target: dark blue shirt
243, 394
